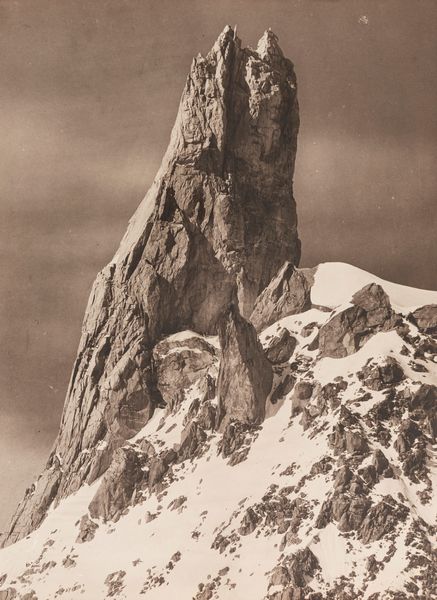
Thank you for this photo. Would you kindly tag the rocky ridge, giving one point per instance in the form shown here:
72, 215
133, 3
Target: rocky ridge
325, 492
277, 439
217, 223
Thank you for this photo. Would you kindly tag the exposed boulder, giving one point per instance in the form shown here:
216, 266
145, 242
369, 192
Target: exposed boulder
347, 331
425, 318
380, 376
373, 299
192, 440
245, 375
280, 576
348, 505
328, 398
348, 435
408, 433
380, 461
117, 487
288, 293
302, 393
204, 412
425, 398
424, 348
302, 567
159, 466
424, 405
309, 414
354, 514
235, 436
115, 583
382, 518
370, 474
281, 347
283, 388
180, 360
343, 477
415, 464
177, 503
87, 530
309, 329
293, 576
249, 522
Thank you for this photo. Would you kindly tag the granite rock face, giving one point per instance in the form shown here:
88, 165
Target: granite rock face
117, 486
38, 498
288, 293
245, 375
220, 458
281, 347
347, 331
425, 318
218, 221
180, 362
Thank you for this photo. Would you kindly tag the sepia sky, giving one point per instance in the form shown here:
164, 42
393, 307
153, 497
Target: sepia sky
89, 91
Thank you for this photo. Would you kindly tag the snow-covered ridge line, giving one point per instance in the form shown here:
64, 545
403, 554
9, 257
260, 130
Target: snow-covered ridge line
216, 526
335, 283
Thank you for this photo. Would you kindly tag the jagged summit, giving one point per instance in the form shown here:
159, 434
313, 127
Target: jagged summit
236, 426
268, 45
217, 223
237, 125
229, 34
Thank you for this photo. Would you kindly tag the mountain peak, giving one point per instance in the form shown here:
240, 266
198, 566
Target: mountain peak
234, 422
216, 225
226, 37
268, 45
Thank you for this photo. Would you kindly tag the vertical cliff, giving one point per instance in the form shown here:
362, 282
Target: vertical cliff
248, 428
217, 223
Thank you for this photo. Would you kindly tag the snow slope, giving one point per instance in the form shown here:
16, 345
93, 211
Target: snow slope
335, 283
216, 529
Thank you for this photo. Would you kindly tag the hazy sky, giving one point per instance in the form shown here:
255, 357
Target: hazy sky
89, 91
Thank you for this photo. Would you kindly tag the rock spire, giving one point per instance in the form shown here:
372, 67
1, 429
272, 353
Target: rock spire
217, 223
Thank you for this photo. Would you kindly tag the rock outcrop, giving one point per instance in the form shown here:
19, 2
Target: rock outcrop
349, 329
302, 393
281, 347
117, 486
378, 377
37, 499
219, 219
288, 293
245, 375
87, 530
223, 464
179, 361
425, 318
251, 486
